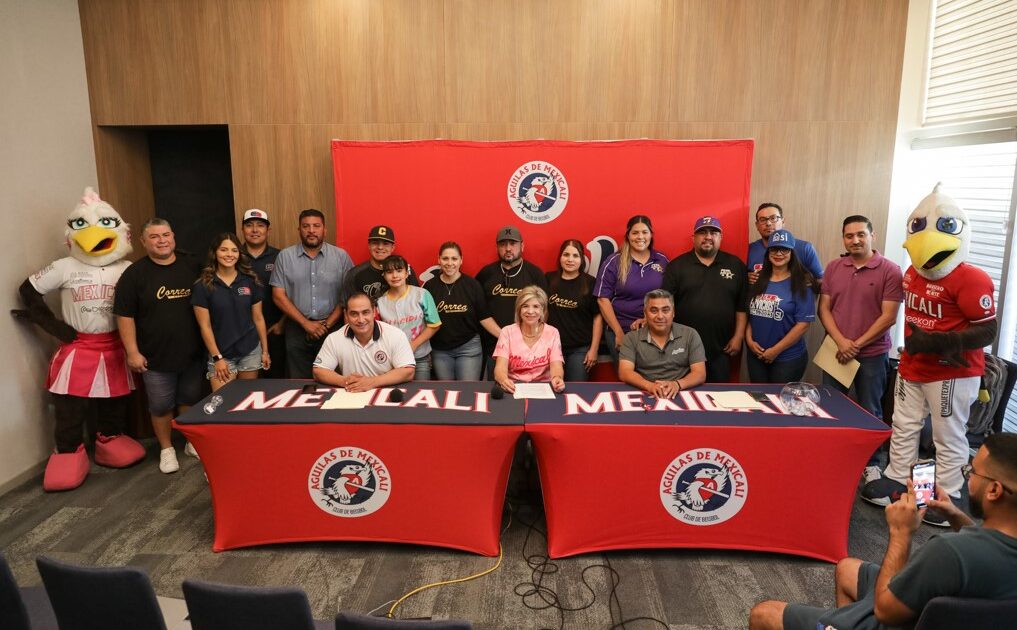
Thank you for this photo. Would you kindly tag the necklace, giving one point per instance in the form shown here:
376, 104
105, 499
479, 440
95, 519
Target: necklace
506, 274
540, 329
450, 285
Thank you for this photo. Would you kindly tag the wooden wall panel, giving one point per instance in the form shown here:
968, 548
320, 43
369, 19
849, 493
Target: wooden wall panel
814, 82
125, 178
602, 60
154, 62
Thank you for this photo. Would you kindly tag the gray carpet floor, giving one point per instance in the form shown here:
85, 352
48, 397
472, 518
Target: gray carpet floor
163, 523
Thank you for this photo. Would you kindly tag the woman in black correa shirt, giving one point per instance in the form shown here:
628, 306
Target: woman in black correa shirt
572, 309
456, 352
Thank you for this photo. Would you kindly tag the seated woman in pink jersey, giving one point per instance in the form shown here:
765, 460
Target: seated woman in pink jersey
529, 350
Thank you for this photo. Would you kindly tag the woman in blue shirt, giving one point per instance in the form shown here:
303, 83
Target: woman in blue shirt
782, 304
227, 304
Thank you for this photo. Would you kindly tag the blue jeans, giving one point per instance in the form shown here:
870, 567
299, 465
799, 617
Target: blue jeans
869, 384
423, 369
168, 390
718, 369
462, 363
609, 341
779, 372
575, 368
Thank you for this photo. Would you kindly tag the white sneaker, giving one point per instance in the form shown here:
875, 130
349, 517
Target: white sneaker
871, 473
189, 450
168, 460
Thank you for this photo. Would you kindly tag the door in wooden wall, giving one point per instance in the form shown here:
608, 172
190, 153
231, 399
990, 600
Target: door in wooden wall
192, 183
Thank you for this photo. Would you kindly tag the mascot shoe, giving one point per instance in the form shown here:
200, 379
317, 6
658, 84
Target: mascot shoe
118, 451
66, 471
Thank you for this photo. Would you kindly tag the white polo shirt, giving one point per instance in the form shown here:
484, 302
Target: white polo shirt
387, 349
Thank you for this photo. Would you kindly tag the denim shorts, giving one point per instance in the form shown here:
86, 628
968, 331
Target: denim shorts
167, 390
250, 362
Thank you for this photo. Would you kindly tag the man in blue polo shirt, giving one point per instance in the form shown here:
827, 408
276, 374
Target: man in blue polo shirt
306, 284
769, 219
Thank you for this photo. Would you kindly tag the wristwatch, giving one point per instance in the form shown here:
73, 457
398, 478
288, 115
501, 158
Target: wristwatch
216, 357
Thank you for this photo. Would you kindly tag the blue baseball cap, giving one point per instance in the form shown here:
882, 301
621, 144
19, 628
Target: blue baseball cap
781, 238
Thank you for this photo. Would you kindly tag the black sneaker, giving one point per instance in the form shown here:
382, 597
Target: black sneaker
883, 491
935, 518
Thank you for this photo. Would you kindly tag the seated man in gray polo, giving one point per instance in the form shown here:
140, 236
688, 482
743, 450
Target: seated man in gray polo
663, 357
365, 353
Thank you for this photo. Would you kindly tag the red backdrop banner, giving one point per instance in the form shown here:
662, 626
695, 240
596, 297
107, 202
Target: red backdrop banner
433, 191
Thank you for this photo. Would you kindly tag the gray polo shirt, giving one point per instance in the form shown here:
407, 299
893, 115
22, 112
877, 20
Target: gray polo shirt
670, 363
312, 284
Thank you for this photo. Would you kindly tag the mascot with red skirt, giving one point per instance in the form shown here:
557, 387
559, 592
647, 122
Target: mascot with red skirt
88, 374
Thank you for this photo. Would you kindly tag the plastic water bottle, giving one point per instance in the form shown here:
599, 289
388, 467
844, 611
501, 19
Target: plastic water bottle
212, 404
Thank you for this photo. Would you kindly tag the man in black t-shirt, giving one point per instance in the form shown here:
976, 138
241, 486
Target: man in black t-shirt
709, 286
502, 280
152, 303
367, 276
975, 562
256, 228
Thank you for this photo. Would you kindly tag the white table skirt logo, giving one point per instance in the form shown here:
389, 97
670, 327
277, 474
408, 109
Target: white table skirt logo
703, 486
350, 482
538, 192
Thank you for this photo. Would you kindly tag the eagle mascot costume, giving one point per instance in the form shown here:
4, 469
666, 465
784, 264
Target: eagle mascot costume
950, 315
88, 374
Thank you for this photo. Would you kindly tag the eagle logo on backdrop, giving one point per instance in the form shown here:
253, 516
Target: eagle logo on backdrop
350, 482
538, 192
703, 486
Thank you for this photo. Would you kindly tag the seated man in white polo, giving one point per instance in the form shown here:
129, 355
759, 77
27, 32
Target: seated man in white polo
662, 358
365, 353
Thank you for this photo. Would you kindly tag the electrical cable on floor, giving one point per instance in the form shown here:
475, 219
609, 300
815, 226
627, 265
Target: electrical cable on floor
501, 556
542, 566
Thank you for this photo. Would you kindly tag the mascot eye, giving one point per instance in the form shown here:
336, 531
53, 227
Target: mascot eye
949, 225
109, 222
917, 225
77, 224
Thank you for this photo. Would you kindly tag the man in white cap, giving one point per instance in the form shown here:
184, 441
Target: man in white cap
256, 228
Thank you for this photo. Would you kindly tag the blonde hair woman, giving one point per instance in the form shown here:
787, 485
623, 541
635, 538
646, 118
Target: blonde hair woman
529, 350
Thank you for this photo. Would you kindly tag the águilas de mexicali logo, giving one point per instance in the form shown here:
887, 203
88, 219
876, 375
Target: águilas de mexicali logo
349, 481
703, 486
538, 192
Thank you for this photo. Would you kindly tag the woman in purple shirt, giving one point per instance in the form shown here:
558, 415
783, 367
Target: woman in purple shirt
625, 278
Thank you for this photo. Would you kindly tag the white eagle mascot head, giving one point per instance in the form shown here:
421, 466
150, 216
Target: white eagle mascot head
939, 236
96, 233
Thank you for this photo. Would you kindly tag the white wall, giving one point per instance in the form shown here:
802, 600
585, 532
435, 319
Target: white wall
46, 161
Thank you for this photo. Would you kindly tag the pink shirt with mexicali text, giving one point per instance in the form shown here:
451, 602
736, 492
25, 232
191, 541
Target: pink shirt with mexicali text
525, 364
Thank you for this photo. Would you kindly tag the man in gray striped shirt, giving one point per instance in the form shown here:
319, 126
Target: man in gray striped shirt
306, 285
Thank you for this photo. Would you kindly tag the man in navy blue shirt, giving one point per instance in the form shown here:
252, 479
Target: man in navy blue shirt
256, 228
769, 219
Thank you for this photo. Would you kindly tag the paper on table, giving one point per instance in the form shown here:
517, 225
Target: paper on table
343, 399
735, 400
533, 390
826, 359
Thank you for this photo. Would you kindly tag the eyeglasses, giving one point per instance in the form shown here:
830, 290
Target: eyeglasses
772, 219
967, 470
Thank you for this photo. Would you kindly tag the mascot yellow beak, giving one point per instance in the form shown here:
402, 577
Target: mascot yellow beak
930, 248
96, 241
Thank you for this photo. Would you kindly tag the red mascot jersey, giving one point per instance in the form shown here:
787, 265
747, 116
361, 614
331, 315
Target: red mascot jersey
962, 298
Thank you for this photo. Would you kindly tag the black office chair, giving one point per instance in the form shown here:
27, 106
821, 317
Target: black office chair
23, 608
100, 598
351, 621
228, 607
950, 613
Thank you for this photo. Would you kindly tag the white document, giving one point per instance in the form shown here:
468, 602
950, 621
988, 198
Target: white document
533, 390
826, 359
735, 400
343, 399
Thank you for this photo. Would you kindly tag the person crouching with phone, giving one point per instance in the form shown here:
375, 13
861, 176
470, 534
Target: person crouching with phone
974, 562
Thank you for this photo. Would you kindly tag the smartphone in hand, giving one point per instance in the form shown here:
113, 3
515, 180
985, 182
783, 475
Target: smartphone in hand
923, 477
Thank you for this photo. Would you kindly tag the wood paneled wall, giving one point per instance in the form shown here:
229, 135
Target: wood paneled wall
815, 82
